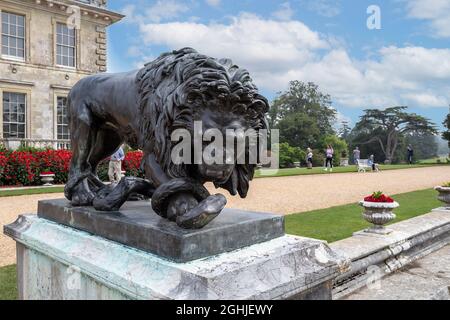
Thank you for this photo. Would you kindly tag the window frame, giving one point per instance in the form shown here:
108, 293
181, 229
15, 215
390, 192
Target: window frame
29, 106
57, 124
75, 47
57, 93
25, 36
25, 123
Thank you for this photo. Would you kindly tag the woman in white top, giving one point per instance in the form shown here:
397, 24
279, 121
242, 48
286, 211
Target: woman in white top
329, 159
309, 158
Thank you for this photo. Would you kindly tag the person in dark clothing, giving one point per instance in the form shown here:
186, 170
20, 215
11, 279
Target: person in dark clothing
410, 154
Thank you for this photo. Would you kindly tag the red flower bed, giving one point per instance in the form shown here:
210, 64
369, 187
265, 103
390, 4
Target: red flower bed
25, 167
132, 164
378, 197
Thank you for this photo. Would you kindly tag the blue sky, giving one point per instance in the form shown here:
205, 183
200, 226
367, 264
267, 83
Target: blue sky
406, 62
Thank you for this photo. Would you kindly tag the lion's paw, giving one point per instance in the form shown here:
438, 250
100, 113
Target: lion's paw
204, 213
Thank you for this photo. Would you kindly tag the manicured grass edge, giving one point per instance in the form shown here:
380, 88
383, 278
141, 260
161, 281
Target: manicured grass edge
8, 283
24, 192
341, 222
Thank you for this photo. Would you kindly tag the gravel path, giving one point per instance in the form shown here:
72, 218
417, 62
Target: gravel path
282, 195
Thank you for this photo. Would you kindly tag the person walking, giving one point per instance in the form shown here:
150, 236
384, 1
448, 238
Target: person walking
410, 154
115, 166
309, 158
356, 155
329, 158
371, 162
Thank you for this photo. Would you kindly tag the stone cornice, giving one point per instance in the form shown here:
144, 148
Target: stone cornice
107, 17
17, 82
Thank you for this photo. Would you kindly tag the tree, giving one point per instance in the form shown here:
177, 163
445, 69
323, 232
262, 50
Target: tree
424, 145
303, 114
446, 134
387, 127
289, 155
344, 130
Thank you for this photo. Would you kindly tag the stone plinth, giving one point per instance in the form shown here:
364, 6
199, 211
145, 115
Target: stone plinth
59, 262
136, 225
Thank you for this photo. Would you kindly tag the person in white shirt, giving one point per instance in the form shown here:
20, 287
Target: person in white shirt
356, 155
115, 166
309, 158
329, 158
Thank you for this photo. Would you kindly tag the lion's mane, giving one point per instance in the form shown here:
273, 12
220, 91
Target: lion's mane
164, 87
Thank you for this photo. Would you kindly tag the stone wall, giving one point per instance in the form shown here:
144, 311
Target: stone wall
38, 76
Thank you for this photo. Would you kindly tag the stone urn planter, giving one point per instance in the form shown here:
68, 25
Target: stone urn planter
47, 179
297, 164
379, 214
444, 196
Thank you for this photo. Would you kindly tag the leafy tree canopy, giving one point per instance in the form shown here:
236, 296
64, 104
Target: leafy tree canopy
387, 128
303, 114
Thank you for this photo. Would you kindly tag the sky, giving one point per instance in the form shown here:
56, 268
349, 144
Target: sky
365, 54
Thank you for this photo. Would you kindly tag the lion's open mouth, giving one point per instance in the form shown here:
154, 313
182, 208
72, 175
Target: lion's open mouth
218, 174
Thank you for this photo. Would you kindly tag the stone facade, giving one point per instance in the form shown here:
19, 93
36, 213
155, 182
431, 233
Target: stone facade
37, 74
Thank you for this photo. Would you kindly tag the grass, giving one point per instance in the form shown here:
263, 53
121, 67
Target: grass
341, 222
8, 283
319, 170
23, 192
437, 160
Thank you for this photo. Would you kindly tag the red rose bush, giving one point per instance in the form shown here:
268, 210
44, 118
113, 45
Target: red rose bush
379, 197
24, 168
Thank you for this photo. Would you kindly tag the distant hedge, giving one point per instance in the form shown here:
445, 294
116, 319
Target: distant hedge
23, 167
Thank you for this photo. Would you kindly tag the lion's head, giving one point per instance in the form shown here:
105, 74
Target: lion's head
185, 86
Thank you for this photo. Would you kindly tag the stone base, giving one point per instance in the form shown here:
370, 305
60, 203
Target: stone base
374, 256
59, 262
444, 209
373, 231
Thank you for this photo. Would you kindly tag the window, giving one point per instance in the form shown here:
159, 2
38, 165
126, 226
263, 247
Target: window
14, 119
13, 35
62, 120
65, 45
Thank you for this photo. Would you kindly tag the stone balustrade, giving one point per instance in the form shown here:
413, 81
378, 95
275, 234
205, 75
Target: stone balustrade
15, 143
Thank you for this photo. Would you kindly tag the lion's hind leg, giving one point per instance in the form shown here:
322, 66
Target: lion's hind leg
82, 184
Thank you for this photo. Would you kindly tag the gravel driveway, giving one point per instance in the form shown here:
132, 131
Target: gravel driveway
284, 195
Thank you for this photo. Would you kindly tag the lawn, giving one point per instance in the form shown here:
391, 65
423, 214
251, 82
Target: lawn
341, 222
23, 192
438, 160
319, 170
8, 289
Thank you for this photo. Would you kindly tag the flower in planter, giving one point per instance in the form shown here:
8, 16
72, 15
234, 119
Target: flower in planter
379, 197
47, 173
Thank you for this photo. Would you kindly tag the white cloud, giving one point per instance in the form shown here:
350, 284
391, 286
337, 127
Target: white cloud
162, 10
213, 3
437, 12
276, 52
257, 43
325, 8
285, 12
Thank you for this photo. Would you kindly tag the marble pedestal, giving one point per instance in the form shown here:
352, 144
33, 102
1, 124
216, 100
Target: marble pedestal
58, 261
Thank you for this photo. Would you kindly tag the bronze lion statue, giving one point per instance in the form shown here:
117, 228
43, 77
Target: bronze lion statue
142, 108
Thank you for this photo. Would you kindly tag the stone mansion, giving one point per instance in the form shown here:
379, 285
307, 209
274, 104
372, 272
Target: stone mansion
46, 47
